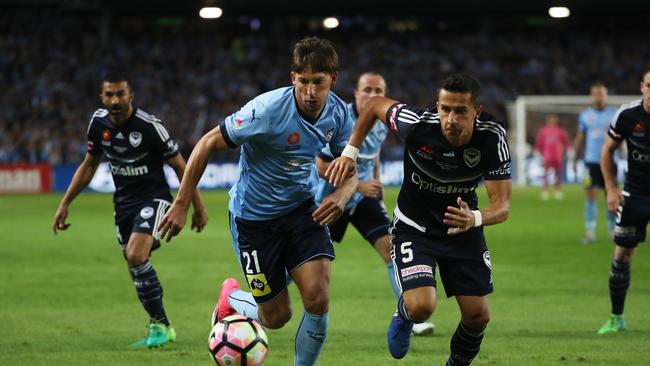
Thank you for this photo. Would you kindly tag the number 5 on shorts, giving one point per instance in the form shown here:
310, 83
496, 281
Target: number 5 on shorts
407, 252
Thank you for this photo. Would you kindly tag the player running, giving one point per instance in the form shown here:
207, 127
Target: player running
437, 219
136, 145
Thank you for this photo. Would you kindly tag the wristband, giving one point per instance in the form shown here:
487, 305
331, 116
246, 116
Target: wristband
350, 152
478, 218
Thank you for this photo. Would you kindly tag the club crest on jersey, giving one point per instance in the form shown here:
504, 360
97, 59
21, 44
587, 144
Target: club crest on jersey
472, 157
135, 138
293, 138
146, 212
329, 134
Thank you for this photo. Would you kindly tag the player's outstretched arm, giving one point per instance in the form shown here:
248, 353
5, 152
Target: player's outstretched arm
342, 167
80, 181
174, 220
333, 205
614, 195
200, 215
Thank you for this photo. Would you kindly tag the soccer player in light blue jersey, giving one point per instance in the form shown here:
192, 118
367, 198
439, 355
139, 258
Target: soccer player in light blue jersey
592, 130
366, 210
275, 224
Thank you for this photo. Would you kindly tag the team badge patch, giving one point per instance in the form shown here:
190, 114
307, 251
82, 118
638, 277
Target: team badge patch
146, 212
329, 134
258, 284
135, 138
472, 157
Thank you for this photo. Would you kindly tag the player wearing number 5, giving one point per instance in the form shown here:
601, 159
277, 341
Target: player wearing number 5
437, 219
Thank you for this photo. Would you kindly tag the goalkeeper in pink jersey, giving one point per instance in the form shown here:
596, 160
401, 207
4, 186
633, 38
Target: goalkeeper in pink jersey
552, 143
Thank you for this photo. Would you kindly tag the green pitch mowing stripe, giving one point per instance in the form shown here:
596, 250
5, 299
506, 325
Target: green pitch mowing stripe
68, 300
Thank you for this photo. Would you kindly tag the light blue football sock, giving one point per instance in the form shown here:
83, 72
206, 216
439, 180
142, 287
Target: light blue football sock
244, 303
591, 211
393, 280
611, 220
310, 338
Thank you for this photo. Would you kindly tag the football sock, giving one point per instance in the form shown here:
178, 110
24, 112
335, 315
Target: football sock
310, 338
244, 303
401, 309
619, 282
591, 211
465, 344
393, 280
149, 291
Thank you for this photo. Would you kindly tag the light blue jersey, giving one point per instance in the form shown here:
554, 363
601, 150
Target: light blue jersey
366, 160
278, 151
594, 124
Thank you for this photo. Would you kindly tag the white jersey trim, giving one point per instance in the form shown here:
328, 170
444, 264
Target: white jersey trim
101, 112
407, 220
162, 132
622, 108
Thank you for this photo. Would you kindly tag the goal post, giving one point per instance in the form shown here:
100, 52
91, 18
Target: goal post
528, 112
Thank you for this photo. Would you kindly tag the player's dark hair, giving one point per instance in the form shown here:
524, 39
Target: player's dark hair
116, 76
598, 83
461, 83
316, 54
372, 73
646, 72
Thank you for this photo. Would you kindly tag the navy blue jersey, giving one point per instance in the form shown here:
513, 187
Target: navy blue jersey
632, 123
136, 152
436, 173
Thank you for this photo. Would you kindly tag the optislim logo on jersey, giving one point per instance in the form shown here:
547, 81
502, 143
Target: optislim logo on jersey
128, 171
640, 157
438, 188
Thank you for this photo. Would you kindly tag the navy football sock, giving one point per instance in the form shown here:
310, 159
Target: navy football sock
619, 282
150, 291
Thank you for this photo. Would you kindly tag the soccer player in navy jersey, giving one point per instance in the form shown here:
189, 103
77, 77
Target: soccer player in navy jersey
437, 219
275, 224
136, 145
366, 210
631, 205
592, 130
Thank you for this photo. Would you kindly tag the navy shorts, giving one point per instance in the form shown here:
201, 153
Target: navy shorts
631, 221
595, 178
370, 218
463, 260
269, 249
142, 218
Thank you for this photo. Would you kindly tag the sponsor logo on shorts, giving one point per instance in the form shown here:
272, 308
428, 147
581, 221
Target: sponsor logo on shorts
146, 212
625, 231
421, 268
486, 259
258, 284
145, 225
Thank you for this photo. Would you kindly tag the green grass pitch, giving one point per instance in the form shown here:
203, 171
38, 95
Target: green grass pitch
68, 300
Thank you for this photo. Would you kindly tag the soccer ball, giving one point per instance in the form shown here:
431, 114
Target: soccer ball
238, 340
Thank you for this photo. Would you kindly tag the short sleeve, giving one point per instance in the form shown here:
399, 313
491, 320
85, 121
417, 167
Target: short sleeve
498, 165
582, 123
342, 133
616, 128
248, 123
94, 138
165, 143
403, 118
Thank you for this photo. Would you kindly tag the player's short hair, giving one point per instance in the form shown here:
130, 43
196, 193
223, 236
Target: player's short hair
646, 72
598, 83
372, 73
461, 83
116, 76
317, 54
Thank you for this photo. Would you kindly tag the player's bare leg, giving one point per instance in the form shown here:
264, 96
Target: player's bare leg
312, 279
149, 290
466, 341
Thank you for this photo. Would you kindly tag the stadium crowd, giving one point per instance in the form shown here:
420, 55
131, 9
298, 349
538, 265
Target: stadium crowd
191, 74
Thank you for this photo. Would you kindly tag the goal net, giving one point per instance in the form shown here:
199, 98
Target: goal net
527, 114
